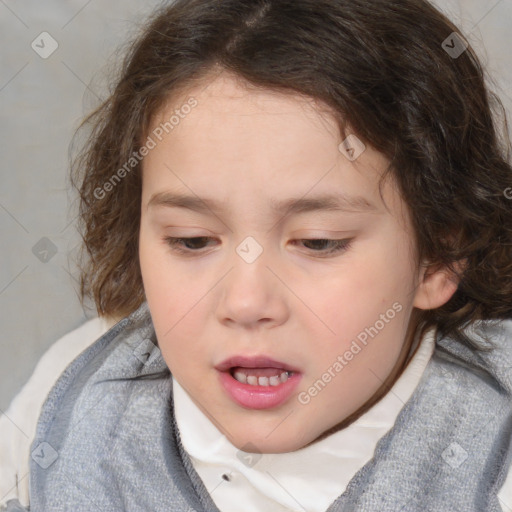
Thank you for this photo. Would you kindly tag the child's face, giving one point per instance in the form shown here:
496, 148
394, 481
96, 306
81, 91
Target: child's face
339, 319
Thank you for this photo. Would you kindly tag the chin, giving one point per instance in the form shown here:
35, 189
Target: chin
258, 442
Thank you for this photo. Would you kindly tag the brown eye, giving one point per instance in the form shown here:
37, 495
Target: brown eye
325, 245
187, 245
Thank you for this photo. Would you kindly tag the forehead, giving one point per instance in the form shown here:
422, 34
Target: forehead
239, 136
225, 92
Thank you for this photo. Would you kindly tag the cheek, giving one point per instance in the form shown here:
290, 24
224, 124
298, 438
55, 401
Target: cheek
153, 267
385, 273
167, 292
354, 298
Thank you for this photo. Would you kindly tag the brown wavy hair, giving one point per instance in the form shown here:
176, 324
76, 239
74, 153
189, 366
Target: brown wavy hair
383, 69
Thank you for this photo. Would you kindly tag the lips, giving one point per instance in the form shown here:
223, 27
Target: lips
254, 362
258, 382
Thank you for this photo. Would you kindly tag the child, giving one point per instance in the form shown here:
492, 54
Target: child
301, 211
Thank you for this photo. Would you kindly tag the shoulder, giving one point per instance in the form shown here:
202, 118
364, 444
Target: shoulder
18, 424
490, 371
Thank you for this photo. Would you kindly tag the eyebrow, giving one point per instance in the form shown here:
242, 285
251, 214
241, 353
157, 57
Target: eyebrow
326, 202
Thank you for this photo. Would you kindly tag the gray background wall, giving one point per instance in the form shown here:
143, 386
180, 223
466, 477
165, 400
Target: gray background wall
42, 101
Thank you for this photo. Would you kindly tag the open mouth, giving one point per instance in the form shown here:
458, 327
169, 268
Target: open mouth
258, 381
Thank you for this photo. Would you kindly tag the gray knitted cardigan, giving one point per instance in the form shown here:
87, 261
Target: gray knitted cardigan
107, 439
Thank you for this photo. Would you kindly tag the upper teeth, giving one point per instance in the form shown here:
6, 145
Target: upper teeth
275, 380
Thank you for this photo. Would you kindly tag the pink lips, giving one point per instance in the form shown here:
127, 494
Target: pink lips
257, 397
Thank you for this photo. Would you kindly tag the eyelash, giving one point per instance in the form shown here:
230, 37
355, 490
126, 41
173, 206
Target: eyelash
339, 245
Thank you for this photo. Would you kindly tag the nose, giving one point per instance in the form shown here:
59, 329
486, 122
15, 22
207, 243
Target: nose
252, 295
